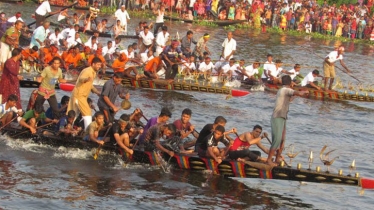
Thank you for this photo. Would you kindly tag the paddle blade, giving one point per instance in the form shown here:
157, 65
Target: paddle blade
239, 93
367, 183
95, 156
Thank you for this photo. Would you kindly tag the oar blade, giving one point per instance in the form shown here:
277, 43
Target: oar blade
367, 183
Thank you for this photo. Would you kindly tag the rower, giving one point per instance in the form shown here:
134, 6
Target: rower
164, 116
309, 82
329, 65
153, 67
120, 133
108, 50
14, 18
146, 57
31, 55
161, 39
32, 117
66, 125
240, 148
295, 74
208, 146
153, 136
267, 66
229, 69
172, 56
39, 35
184, 129
62, 106
274, 71
73, 58
55, 37
94, 129
186, 43
8, 110
111, 89
250, 72
146, 39
92, 43
41, 11
188, 65
206, 67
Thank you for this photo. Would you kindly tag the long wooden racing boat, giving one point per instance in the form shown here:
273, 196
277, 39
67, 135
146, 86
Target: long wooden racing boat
230, 168
330, 94
216, 22
109, 35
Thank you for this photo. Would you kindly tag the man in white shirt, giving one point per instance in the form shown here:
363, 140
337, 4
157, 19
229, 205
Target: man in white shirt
55, 37
267, 65
91, 43
65, 32
207, 66
250, 71
123, 16
161, 39
41, 11
146, 39
229, 47
189, 65
329, 65
308, 81
229, 69
108, 50
294, 74
74, 41
146, 57
16, 17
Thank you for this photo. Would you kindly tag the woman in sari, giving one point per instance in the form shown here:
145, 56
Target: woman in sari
9, 83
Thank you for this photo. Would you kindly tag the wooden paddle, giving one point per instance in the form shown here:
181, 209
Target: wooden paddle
8, 122
71, 5
29, 130
101, 145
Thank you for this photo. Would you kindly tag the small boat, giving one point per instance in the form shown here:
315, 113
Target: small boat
228, 167
30, 83
216, 22
329, 94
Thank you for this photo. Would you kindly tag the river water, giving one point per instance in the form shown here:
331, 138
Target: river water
34, 176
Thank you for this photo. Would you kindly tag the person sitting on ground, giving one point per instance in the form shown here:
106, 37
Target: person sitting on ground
62, 106
154, 134
8, 110
240, 148
93, 130
209, 146
66, 125
161, 119
32, 117
120, 133
309, 82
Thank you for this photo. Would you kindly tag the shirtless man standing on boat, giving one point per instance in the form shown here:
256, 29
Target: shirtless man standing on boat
279, 117
329, 65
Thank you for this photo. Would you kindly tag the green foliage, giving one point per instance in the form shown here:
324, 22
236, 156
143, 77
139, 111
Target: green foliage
337, 2
108, 10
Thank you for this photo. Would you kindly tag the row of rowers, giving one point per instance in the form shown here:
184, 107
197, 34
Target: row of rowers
177, 137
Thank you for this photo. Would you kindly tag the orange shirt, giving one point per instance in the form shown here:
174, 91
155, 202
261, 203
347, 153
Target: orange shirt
64, 55
70, 59
151, 63
26, 54
119, 66
48, 57
99, 56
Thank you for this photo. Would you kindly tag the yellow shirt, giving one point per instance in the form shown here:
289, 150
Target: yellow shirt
83, 89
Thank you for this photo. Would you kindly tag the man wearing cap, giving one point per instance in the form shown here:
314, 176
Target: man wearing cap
172, 56
161, 39
201, 46
329, 65
41, 11
16, 17
308, 80
228, 47
123, 16
40, 35
111, 89
83, 87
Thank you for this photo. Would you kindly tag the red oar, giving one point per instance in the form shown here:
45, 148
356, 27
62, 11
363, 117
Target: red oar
239, 93
366, 183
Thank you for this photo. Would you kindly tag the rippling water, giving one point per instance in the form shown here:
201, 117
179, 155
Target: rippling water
34, 176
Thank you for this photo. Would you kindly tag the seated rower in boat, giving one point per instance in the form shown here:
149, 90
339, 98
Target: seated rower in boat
240, 148
119, 66
92, 131
136, 124
309, 82
161, 119
146, 57
274, 71
152, 68
229, 69
121, 133
73, 58
250, 72
206, 67
208, 129
188, 66
295, 75
32, 117
9, 111
66, 125
209, 146
154, 134
61, 108
181, 141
